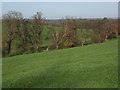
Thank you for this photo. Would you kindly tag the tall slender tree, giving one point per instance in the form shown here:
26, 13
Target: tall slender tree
10, 19
37, 30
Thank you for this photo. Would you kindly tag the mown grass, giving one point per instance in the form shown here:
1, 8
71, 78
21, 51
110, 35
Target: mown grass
91, 66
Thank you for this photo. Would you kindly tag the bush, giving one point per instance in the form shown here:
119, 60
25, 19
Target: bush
68, 44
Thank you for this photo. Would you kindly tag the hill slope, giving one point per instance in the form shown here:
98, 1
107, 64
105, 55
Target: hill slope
92, 66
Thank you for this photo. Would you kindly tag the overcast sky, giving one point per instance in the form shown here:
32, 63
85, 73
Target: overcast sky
57, 10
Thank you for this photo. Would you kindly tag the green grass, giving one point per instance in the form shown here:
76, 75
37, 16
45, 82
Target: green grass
92, 66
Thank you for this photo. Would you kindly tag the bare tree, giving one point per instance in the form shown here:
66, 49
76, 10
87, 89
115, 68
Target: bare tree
10, 20
37, 30
24, 35
106, 27
66, 36
57, 37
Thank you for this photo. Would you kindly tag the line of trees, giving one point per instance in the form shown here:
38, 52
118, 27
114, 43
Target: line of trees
94, 31
27, 33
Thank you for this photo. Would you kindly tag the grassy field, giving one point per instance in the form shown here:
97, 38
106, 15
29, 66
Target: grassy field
92, 66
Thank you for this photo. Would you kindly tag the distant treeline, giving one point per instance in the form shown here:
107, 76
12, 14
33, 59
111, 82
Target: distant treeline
25, 34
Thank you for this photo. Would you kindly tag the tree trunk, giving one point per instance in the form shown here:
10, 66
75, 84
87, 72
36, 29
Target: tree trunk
57, 46
9, 46
25, 48
99, 41
82, 42
106, 37
36, 48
